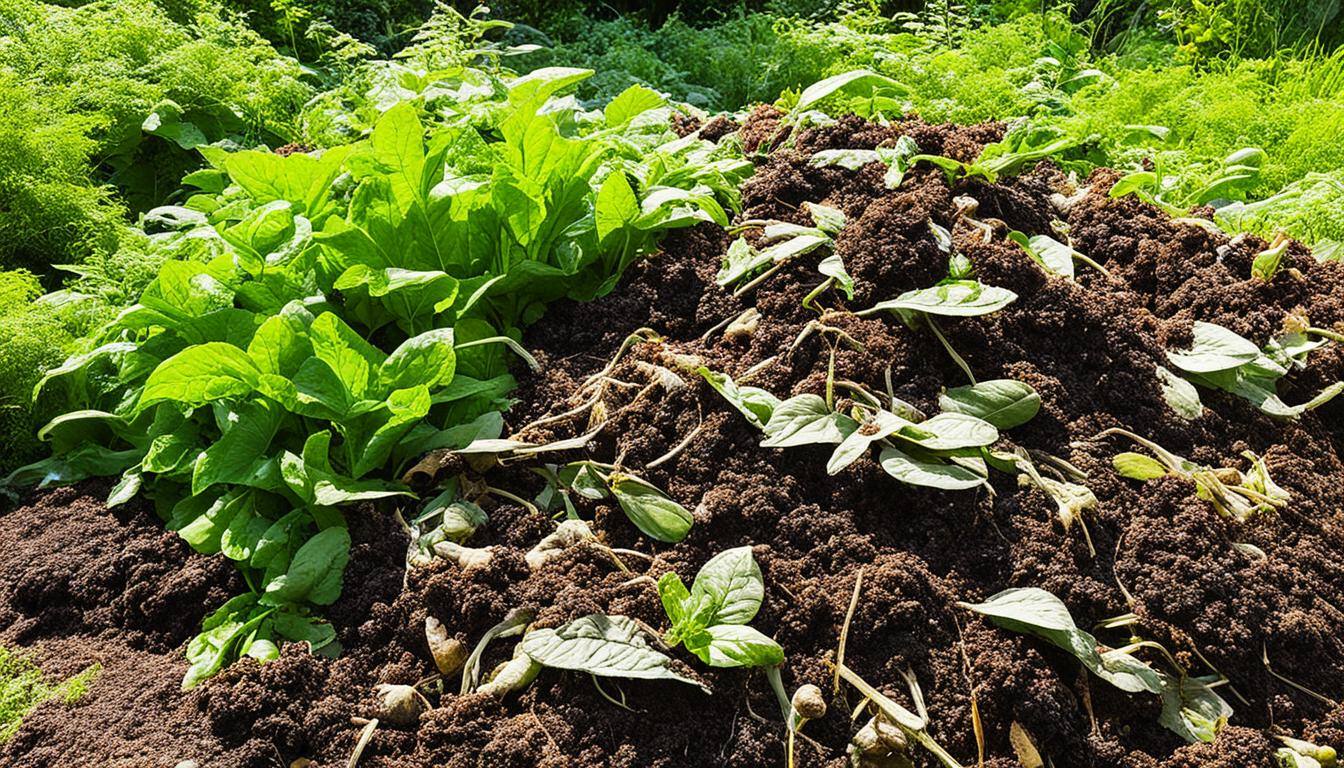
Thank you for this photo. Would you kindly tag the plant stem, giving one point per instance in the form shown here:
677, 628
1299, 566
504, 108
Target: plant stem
1326, 334
948, 346
506, 341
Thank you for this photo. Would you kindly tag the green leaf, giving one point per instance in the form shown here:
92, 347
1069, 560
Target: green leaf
616, 207
315, 572
755, 403
1214, 349
412, 298
832, 266
202, 520
1191, 709
250, 427
319, 635
221, 633
898, 159
959, 298
952, 431
354, 360
606, 646
931, 474
728, 589
676, 600
1005, 403
1054, 256
855, 79
1136, 466
1037, 612
428, 359
1180, 395
880, 425
280, 345
201, 374
806, 420
631, 103
739, 261
313, 478
652, 512
734, 645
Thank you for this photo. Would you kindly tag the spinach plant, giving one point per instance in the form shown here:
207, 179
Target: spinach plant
336, 315
1191, 708
781, 243
957, 295
710, 618
947, 451
1221, 359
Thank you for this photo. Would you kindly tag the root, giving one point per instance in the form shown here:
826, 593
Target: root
365, 737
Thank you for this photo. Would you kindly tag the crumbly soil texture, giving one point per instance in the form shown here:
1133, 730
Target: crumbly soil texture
80, 584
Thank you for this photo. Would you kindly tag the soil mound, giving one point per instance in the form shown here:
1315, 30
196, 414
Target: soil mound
1217, 593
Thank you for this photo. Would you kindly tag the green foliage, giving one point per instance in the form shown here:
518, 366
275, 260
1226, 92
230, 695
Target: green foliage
77, 87
22, 687
32, 338
318, 321
711, 617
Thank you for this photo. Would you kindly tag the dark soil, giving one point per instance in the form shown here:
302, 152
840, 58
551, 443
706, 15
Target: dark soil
1089, 347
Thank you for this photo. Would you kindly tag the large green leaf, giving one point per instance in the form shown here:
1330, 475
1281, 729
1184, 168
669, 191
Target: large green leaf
201, 374
607, 646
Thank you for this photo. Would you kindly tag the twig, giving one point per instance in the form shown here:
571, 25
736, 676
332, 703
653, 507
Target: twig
844, 629
681, 446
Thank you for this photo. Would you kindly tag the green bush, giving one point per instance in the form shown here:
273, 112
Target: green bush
76, 86
32, 339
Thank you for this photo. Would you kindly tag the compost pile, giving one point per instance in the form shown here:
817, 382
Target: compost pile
1221, 595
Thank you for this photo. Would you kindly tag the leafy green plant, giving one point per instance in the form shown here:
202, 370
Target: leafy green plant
653, 513
898, 158
1233, 493
781, 243
1239, 172
351, 311
947, 451
1191, 708
1024, 143
710, 618
1220, 359
957, 295
1054, 257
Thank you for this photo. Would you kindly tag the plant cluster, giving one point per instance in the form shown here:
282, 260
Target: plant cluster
1191, 707
345, 311
1220, 359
